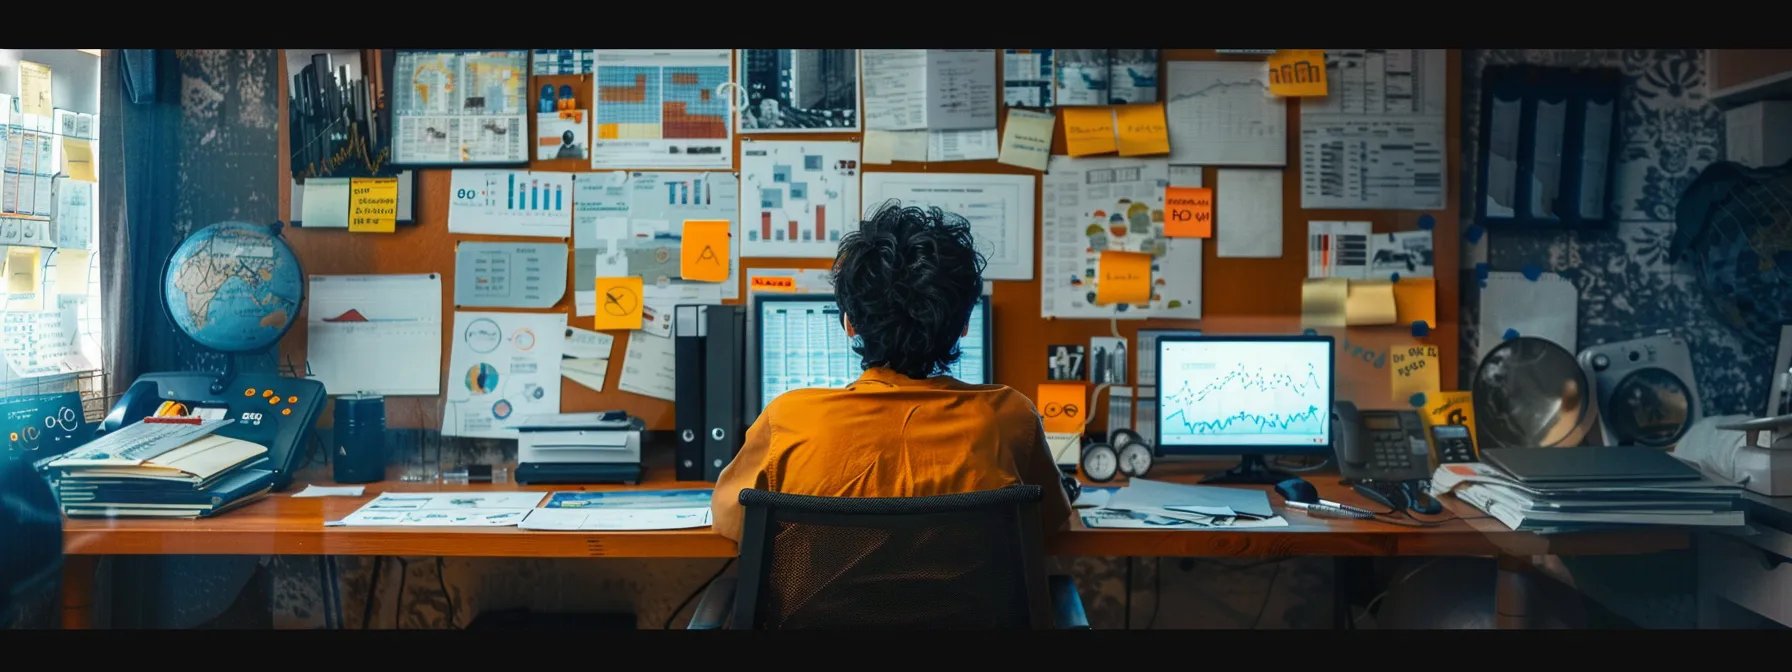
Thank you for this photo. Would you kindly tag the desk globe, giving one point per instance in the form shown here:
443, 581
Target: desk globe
234, 287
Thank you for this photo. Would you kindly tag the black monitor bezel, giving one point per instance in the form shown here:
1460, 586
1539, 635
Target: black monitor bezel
1331, 363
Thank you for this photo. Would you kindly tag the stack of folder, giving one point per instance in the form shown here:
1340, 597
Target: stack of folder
163, 470
1591, 502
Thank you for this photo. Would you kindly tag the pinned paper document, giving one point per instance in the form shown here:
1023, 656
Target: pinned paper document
24, 270
1415, 301
1027, 139
1297, 73
1322, 302
1188, 212
618, 303
703, 253
373, 205
1089, 131
1123, 277
1142, 129
1061, 406
77, 159
1414, 370
1370, 302
71, 271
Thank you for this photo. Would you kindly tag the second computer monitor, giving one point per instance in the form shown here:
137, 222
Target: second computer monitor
800, 343
1244, 395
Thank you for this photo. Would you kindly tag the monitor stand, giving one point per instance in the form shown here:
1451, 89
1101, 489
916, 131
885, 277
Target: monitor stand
1251, 470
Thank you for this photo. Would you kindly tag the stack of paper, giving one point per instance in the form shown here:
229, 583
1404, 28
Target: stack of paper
1590, 505
1157, 504
149, 469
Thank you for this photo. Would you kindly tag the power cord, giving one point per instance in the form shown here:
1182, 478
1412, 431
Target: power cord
699, 591
373, 591
404, 570
442, 578
1157, 590
1268, 592
1370, 607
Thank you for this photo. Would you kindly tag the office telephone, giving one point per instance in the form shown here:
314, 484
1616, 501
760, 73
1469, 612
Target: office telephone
1380, 445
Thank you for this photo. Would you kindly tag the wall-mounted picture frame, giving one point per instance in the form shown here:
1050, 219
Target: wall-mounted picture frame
460, 108
339, 118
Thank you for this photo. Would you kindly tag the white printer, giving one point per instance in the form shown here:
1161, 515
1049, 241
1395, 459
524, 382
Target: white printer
600, 447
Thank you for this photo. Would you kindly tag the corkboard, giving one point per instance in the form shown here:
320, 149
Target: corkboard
1238, 296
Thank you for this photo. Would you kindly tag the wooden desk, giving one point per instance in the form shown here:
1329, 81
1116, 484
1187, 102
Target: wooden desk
283, 525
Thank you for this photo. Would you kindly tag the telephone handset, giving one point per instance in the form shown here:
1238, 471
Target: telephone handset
1388, 446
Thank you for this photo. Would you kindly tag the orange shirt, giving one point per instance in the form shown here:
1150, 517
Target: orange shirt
888, 435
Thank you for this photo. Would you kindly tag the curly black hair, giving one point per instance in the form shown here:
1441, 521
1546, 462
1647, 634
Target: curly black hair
908, 280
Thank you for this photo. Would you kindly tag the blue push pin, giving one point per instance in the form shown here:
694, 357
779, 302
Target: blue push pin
1417, 400
1395, 277
1473, 233
1481, 270
1532, 272
1309, 332
1510, 334
1427, 222
1420, 328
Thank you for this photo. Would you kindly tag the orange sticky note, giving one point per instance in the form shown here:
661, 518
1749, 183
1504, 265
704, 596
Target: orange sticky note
1062, 406
1188, 212
618, 303
1089, 130
1297, 73
773, 283
703, 251
1142, 129
1123, 277
1415, 300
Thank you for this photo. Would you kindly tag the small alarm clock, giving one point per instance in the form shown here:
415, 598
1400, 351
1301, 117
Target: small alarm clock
1136, 456
1100, 462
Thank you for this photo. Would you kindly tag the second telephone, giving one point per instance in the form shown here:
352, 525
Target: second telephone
1385, 446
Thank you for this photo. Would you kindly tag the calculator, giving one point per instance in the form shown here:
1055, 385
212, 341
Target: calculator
1453, 444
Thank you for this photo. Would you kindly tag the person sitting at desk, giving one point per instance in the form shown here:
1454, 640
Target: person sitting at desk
906, 281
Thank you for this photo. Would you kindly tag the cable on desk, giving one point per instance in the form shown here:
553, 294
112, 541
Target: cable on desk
699, 591
1268, 592
373, 591
442, 578
1157, 590
1370, 607
404, 569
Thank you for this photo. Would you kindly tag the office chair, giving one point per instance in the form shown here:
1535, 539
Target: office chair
30, 549
964, 561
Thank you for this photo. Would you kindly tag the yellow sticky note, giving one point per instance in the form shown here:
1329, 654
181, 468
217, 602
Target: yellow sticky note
1142, 129
77, 159
1450, 408
703, 252
1415, 300
618, 303
1322, 302
373, 205
71, 271
1026, 139
1089, 131
1297, 73
1062, 407
1414, 371
24, 272
1370, 302
1188, 212
1123, 277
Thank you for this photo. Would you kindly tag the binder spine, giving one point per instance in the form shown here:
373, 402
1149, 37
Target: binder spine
723, 345
688, 416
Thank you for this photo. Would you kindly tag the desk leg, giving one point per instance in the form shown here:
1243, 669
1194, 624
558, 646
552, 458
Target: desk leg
1511, 593
77, 591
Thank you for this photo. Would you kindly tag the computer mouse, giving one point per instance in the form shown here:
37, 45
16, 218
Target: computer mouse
1297, 490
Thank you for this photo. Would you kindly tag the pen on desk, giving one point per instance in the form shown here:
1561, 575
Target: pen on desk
1324, 511
1346, 507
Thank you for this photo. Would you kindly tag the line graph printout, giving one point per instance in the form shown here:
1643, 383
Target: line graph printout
1093, 205
1221, 114
460, 107
1245, 393
999, 209
1377, 142
380, 334
660, 109
797, 198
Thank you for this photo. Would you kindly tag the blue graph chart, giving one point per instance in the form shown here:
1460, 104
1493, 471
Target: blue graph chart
1245, 393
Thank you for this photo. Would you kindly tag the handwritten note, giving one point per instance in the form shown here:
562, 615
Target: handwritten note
373, 205
1062, 407
1026, 139
34, 89
1124, 277
1089, 131
1414, 371
1142, 129
1415, 300
1450, 408
703, 254
1297, 73
618, 303
1188, 212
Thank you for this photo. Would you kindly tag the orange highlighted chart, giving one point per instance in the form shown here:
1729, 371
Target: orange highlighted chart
662, 108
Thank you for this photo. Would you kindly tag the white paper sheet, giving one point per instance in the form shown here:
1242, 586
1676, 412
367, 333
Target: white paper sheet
616, 519
74, 214
589, 371
650, 367
1338, 249
616, 212
1404, 253
931, 89
585, 343
797, 197
972, 145
1220, 113
315, 490
325, 203
380, 334
502, 366
1546, 308
1095, 204
1247, 209
1377, 141
998, 207
638, 92
509, 275
440, 509
510, 203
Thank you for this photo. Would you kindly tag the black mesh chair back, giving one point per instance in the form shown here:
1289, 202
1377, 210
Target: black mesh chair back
961, 561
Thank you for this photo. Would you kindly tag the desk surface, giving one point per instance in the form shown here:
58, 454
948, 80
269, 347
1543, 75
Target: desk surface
282, 525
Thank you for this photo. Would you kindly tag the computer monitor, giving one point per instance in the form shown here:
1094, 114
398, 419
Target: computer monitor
799, 342
1245, 395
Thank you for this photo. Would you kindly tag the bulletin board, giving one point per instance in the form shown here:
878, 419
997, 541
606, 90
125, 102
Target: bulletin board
1240, 295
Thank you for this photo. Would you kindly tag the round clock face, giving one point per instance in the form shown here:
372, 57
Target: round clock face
1135, 459
1100, 463
1125, 437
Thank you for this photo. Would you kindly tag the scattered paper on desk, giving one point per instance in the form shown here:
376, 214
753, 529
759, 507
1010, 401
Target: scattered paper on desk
703, 251
1188, 212
1093, 497
1089, 131
629, 499
1248, 210
331, 491
616, 519
1143, 495
1322, 302
650, 367
1142, 130
443, 509
1297, 73
1061, 405
1370, 302
1123, 277
324, 203
1027, 139
1415, 300
77, 159
1414, 370
618, 303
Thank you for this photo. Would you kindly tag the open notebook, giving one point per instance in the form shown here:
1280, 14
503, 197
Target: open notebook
196, 463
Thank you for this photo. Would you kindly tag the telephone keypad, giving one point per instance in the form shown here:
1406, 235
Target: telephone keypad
1389, 450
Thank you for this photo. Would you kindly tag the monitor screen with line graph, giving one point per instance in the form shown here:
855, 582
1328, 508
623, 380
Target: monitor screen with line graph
1245, 395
